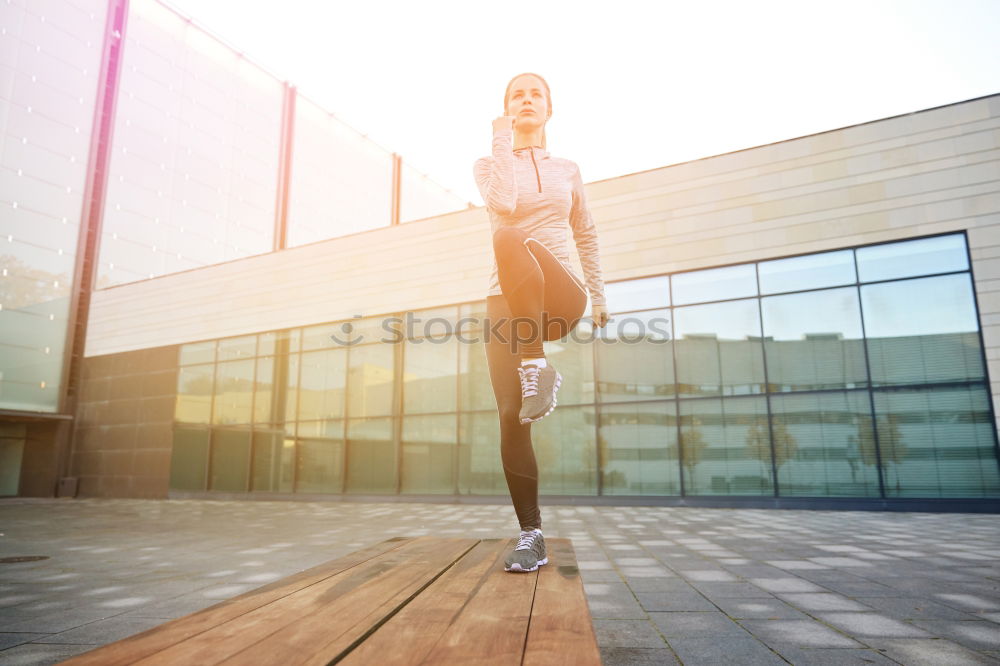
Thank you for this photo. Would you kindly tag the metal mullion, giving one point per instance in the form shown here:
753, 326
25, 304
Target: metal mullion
871, 387
677, 396
767, 384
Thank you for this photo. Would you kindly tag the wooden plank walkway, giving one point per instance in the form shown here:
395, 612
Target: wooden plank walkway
420, 600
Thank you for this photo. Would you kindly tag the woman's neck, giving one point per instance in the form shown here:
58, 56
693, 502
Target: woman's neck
523, 140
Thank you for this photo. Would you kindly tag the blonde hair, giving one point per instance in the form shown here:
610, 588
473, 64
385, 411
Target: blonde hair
548, 98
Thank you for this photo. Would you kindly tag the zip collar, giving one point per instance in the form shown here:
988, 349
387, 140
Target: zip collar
537, 152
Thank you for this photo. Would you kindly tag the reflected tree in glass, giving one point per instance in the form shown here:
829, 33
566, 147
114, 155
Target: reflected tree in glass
693, 445
891, 446
759, 439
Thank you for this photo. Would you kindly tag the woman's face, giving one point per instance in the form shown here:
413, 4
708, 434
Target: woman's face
527, 103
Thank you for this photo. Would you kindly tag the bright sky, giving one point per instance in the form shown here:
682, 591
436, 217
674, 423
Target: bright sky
635, 85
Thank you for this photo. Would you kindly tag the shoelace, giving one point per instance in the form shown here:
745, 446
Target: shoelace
529, 380
526, 541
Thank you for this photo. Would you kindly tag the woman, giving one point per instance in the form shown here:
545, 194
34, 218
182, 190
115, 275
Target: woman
534, 200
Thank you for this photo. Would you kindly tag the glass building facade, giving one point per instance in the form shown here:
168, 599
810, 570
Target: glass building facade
854, 373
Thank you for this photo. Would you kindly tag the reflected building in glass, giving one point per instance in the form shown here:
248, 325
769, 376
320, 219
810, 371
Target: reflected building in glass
253, 300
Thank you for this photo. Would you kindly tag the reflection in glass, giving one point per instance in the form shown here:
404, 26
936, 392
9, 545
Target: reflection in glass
480, 469
642, 294
634, 357
813, 271
718, 349
371, 456
821, 444
725, 448
322, 392
814, 340
233, 392
231, 349
924, 256
566, 452
189, 459
194, 393
638, 445
321, 459
429, 382
49, 71
475, 390
922, 330
937, 442
370, 380
428, 454
273, 450
715, 284
230, 460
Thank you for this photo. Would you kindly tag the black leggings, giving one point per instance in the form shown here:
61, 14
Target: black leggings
539, 297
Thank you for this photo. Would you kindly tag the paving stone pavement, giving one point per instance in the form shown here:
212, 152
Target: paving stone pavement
668, 585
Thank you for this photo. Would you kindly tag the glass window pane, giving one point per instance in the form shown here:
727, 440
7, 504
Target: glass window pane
826, 269
371, 456
189, 459
231, 349
429, 381
194, 393
818, 439
723, 448
321, 459
230, 460
644, 294
272, 459
277, 342
922, 330
421, 197
322, 388
192, 177
198, 352
813, 340
638, 445
937, 442
370, 380
429, 454
573, 355
476, 391
634, 357
331, 163
913, 257
715, 284
566, 451
233, 392
718, 349
480, 469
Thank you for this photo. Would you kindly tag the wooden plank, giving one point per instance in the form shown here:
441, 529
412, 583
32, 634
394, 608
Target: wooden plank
339, 611
409, 635
131, 649
491, 628
561, 630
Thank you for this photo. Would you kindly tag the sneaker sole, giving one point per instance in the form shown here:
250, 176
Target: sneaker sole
517, 567
555, 390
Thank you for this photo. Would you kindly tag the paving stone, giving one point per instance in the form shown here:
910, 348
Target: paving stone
627, 633
39, 654
975, 634
799, 633
716, 591
685, 624
622, 656
911, 608
712, 651
864, 626
833, 656
822, 601
674, 601
759, 608
10, 640
930, 652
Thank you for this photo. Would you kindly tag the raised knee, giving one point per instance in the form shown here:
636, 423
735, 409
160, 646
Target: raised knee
506, 236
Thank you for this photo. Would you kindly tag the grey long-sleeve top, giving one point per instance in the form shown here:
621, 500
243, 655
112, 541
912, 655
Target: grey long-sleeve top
532, 190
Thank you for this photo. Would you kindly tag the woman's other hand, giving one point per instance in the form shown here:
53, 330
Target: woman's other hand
599, 313
503, 122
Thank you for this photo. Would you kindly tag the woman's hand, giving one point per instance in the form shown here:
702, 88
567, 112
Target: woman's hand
599, 313
503, 122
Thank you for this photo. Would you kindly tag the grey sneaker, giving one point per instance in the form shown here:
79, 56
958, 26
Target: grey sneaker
538, 391
528, 554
